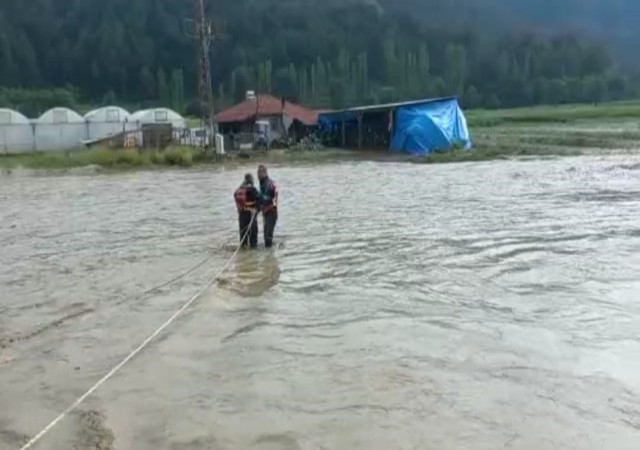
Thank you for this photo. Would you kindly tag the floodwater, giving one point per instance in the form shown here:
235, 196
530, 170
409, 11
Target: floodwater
466, 306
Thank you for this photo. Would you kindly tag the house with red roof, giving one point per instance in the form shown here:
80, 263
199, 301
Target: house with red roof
286, 119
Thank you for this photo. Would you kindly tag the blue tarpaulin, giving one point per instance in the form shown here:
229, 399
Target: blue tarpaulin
330, 120
424, 128
421, 127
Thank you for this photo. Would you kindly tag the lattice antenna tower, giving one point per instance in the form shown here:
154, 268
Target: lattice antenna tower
204, 31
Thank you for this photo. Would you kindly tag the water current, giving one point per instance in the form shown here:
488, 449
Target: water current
467, 306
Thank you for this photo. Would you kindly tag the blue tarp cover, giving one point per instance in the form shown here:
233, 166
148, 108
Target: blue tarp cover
330, 120
424, 128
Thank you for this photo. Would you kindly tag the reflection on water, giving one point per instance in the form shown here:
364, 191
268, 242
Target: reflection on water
468, 306
252, 273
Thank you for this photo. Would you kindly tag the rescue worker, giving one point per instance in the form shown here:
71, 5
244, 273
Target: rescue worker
247, 200
269, 204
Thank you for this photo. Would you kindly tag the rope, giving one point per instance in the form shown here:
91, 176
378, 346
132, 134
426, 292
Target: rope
140, 347
178, 277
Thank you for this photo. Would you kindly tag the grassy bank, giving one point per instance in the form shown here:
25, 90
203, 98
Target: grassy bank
562, 130
539, 131
101, 158
117, 160
554, 114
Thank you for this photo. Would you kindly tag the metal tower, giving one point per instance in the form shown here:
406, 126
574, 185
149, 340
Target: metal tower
204, 31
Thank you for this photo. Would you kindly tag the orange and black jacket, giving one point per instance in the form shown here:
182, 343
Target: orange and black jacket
247, 198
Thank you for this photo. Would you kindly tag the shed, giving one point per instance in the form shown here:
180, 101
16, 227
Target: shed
416, 127
59, 129
16, 132
106, 122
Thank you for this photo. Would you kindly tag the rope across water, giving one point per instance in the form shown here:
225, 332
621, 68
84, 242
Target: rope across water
146, 342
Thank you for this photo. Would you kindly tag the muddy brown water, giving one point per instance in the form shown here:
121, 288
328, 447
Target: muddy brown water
467, 306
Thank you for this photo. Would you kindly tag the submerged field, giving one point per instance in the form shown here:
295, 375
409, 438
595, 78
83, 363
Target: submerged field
539, 131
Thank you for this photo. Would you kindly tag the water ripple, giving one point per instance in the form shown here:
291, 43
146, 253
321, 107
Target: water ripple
488, 305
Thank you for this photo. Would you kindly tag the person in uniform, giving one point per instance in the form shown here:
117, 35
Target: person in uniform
269, 204
247, 199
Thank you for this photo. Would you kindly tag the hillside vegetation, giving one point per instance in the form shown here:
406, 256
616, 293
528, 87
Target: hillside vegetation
491, 53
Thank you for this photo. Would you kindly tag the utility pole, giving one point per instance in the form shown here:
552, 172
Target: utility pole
204, 31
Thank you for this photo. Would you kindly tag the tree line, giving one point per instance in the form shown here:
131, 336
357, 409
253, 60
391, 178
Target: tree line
531, 72
329, 54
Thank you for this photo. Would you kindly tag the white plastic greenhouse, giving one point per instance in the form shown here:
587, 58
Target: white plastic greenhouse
65, 129
59, 129
106, 122
16, 132
158, 116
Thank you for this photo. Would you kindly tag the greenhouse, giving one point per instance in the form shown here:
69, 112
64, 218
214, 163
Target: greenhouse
158, 116
106, 122
59, 129
16, 132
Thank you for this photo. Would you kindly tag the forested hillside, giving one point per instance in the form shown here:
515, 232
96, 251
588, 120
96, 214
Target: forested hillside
332, 53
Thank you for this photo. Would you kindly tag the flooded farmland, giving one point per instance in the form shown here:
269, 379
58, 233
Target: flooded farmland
456, 306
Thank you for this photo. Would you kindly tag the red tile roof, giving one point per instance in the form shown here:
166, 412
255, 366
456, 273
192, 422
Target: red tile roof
266, 105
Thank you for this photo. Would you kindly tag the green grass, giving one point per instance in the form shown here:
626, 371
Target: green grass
562, 130
554, 114
193, 122
101, 158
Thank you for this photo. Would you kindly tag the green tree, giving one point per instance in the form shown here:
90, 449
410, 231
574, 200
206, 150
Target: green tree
262, 78
472, 98
109, 98
8, 70
390, 62
338, 93
492, 101
293, 82
284, 85
268, 70
595, 89
240, 83
362, 77
303, 85
177, 90
456, 72
557, 91
147, 82
120, 46
221, 100
164, 90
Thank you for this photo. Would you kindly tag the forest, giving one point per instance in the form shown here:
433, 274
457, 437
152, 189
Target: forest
328, 54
